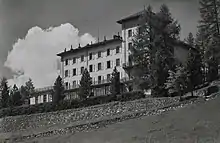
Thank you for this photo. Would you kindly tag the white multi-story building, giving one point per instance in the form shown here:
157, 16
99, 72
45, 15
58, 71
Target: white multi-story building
100, 59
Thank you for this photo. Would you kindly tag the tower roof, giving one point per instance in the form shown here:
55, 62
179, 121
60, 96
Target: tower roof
130, 17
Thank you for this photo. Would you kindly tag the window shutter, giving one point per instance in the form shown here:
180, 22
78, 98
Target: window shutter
93, 68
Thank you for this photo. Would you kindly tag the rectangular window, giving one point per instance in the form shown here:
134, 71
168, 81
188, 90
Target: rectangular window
129, 33
74, 84
99, 54
129, 46
108, 77
74, 72
99, 66
66, 84
82, 70
45, 98
90, 68
66, 73
82, 58
99, 79
117, 49
117, 62
66, 62
90, 56
74, 60
139, 30
108, 52
108, 64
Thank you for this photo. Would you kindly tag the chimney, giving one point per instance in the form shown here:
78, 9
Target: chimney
71, 47
79, 46
91, 42
65, 50
104, 38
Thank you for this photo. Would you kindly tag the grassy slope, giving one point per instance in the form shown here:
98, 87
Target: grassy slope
199, 122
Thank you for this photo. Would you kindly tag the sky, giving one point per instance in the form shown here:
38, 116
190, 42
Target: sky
32, 32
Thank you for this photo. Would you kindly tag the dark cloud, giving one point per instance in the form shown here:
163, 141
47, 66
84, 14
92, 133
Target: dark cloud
17, 16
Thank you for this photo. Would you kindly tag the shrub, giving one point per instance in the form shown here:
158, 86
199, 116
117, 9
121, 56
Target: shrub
63, 105
212, 89
131, 96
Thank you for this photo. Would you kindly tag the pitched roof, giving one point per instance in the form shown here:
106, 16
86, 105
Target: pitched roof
185, 45
130, 17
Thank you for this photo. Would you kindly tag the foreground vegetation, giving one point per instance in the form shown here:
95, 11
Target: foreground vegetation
63, 105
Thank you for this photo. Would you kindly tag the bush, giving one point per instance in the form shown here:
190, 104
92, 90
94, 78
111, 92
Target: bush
49, 107
212, 89
131, 96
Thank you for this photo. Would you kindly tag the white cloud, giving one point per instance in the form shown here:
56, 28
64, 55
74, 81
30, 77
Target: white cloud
35, 56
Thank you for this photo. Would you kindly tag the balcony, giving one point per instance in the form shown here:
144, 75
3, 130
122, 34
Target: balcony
77, 86
94, 83
44, 89
71, 87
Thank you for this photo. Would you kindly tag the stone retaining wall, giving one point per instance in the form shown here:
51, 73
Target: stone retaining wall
19, 123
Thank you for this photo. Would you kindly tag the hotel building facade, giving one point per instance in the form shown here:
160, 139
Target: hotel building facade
100, 59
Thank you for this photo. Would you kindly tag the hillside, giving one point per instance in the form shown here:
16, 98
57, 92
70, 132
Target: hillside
200, 121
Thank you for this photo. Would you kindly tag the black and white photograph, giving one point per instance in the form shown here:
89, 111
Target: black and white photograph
109, 71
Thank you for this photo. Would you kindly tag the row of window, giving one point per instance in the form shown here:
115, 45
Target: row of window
41, 99
100, 66
91, 56
99, 81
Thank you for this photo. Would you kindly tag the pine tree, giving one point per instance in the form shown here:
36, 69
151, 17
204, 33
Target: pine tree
194, 64
190, 40
209, 24
5, 99
58, 90
142, 50
212, 59
209, 12
24, 94
200, 45
29, 86
177, 81
167, 31
16, 96
85, 85
115, 82
153, 48
191, 71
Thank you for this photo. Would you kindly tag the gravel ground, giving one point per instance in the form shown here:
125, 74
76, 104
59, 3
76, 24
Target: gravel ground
63, 118
198, 122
